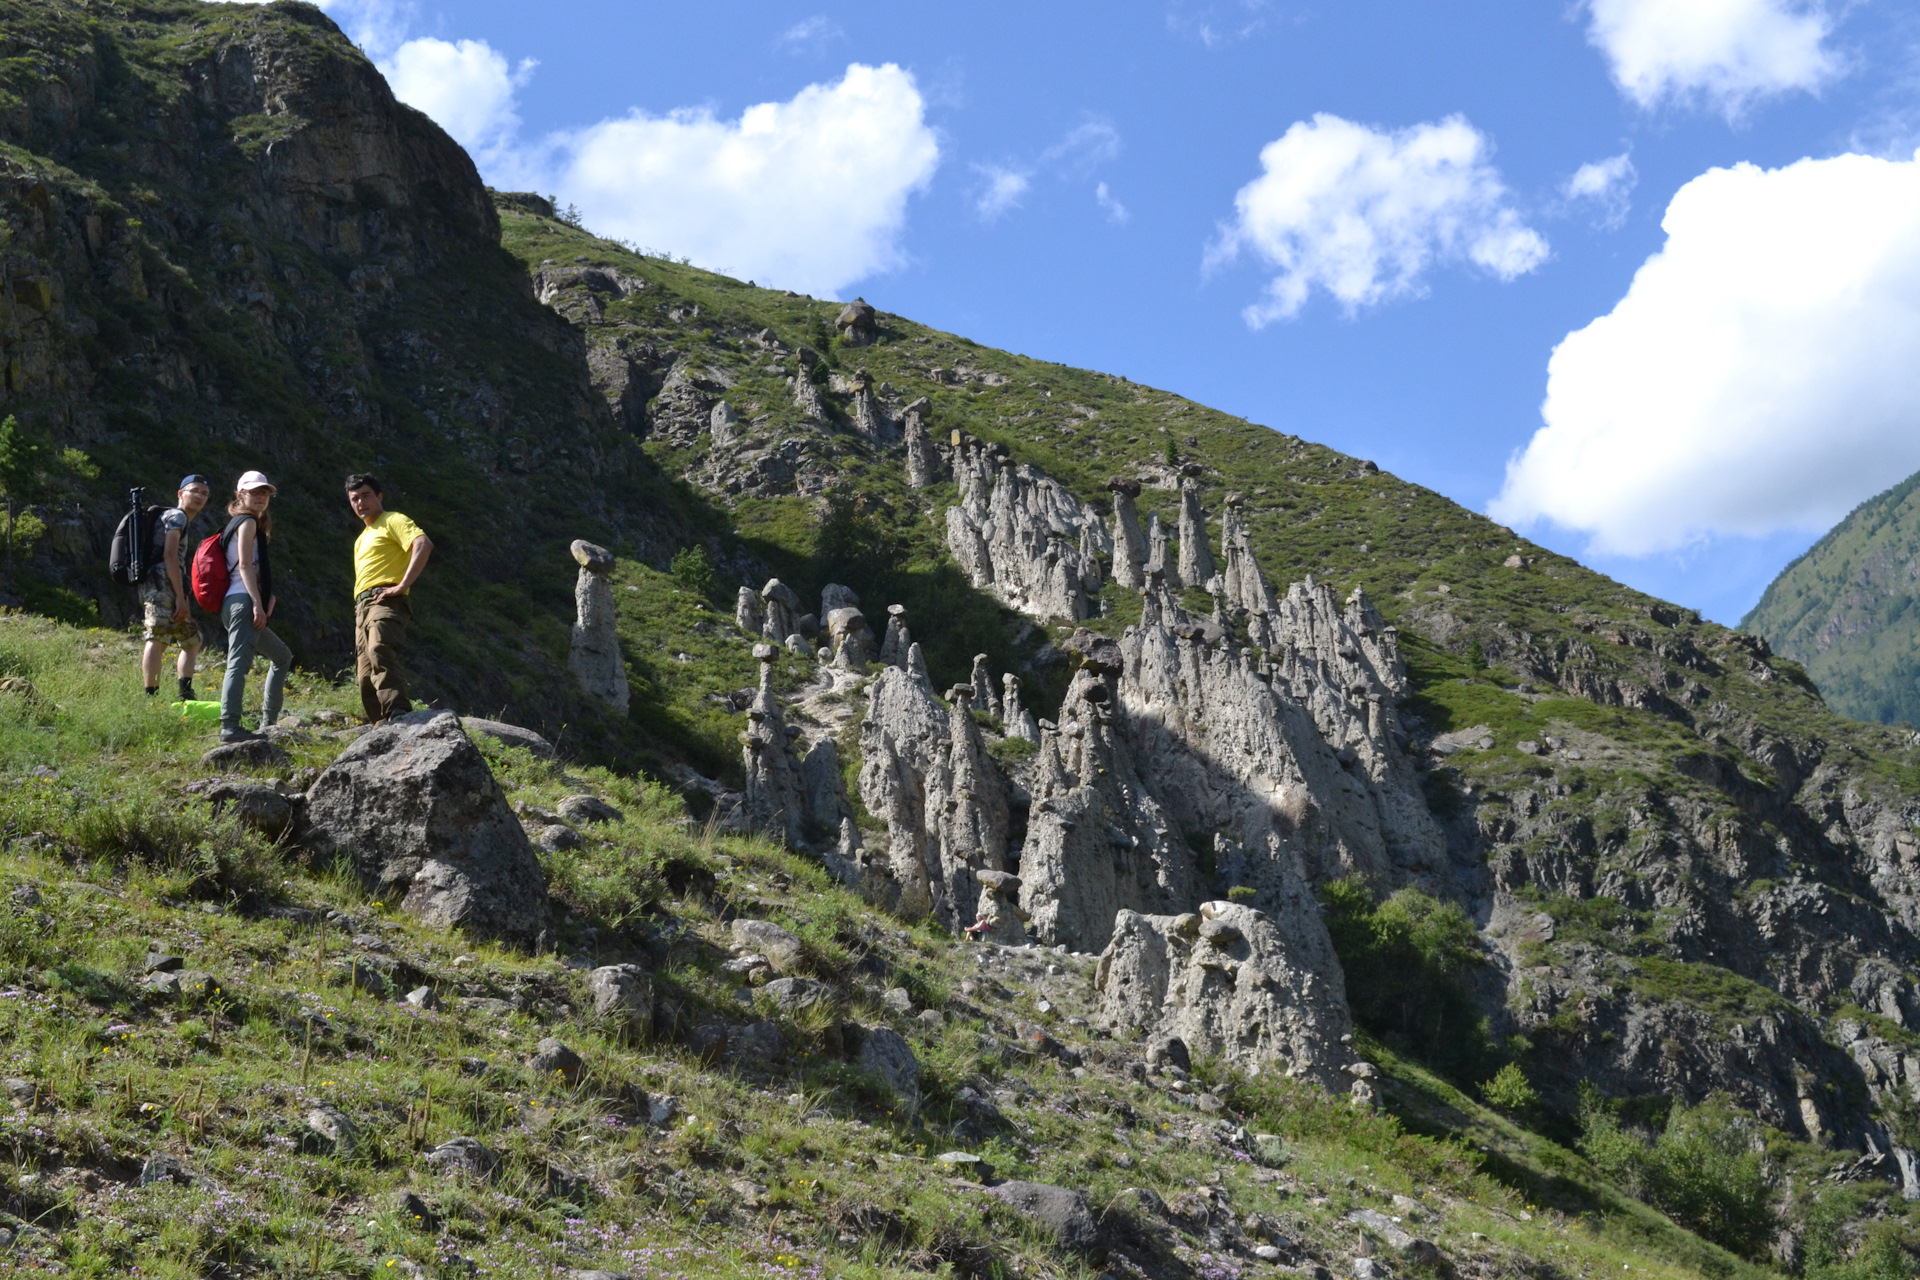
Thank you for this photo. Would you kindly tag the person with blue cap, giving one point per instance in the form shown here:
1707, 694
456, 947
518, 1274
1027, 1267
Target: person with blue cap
165, 603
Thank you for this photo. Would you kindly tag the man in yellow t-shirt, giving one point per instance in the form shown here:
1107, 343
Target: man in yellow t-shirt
387, 559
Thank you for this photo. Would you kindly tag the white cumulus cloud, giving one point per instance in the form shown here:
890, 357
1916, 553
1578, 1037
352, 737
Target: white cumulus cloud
1363, 213
1002, 189
1725, 52
467, 88
1606, 185
1756, 378
810, 193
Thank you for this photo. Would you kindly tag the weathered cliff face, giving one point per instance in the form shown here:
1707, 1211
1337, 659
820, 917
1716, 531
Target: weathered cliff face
228, 246
1022, 536
925, 773
1099, 841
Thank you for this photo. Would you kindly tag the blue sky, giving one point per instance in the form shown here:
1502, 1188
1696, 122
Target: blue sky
1359, 222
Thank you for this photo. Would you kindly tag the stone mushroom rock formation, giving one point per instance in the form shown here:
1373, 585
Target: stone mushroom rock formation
1016, 719
834, 596
595, 657
893, 650
1230, 981
1129, 543
747, 613
1158, 563
1196, 557
781, 611
773, 805
923, 460
869, 419
828, 818
414, 808
850, 639
858, 323
1242, 583
985, 696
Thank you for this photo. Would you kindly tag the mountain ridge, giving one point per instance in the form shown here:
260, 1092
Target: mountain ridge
1844, 609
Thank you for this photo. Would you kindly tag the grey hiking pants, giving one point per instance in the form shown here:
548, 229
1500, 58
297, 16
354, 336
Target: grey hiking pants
242, 643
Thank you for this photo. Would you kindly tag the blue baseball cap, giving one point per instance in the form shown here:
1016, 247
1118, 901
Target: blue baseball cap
196, 478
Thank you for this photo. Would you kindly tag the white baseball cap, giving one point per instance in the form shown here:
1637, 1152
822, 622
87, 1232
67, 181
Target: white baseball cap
254, 480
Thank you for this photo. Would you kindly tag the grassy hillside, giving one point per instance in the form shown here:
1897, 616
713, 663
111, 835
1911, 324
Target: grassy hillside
791, 1165
1846, 610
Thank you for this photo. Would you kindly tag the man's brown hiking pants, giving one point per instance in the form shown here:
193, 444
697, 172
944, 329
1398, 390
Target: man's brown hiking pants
379, 634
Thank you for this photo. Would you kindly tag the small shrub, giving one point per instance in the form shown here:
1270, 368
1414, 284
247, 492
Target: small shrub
1241, 893
1509, 1091
693, 570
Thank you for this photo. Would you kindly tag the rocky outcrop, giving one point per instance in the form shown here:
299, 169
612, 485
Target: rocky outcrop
595, 657
413, 808
1294, 763
1232, 982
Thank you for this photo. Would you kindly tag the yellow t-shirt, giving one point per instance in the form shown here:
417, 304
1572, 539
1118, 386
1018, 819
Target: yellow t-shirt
381, 552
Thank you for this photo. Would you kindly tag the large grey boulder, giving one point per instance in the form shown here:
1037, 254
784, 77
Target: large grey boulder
255, 807
595, 657
1065, 1214
886, 1054
415, 809
623, 994
858, 323
763, 937
510, 734
1227, 981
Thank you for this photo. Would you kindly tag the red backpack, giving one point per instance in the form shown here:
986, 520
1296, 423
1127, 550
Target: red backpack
211, 577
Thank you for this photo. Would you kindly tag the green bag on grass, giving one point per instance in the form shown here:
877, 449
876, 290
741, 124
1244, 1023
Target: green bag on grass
199, 712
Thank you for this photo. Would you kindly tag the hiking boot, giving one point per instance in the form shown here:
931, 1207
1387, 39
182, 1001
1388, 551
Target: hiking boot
238, 735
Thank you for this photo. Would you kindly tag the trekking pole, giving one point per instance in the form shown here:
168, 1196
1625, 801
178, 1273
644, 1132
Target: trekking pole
137, 551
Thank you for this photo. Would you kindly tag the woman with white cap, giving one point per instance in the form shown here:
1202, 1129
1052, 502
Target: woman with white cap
248, 606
